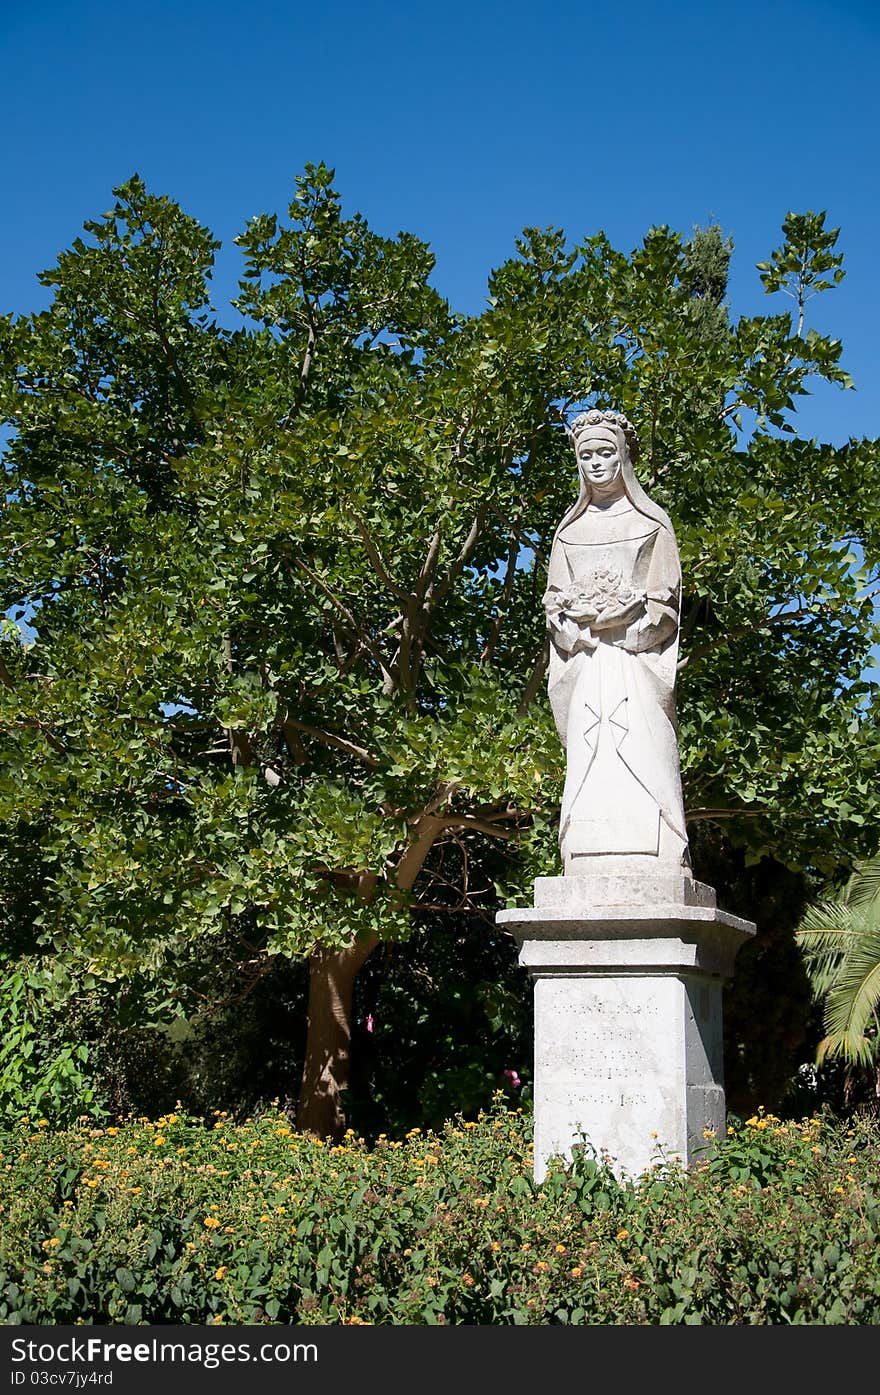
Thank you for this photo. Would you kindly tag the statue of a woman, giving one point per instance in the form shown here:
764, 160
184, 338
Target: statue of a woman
613, 611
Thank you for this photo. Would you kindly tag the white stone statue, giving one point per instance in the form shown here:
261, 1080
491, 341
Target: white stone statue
612, 608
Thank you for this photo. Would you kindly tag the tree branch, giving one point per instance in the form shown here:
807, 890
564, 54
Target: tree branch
378, 564
509, 579
741, 631
539, 668
467, 548
326, 738
343, 609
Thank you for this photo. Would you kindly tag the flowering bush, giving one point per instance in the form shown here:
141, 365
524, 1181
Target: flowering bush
185, 1221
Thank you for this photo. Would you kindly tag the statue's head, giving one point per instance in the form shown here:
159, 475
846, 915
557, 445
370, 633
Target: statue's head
598, 421
606, 447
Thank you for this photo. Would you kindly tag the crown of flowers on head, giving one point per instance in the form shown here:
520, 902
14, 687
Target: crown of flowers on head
597, 417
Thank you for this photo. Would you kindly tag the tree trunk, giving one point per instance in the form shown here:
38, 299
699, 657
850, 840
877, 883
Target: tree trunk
331, 991
328, 1049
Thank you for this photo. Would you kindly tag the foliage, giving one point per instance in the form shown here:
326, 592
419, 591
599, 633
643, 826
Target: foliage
285, 580
769, 1028
43, 1064
179, 1221
840, 940
443, 1022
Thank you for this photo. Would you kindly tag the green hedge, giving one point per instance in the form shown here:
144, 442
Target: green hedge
185, 1221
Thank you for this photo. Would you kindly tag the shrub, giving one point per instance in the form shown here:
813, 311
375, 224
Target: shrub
185, 1221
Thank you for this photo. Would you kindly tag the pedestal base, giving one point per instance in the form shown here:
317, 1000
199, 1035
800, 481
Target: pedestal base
628, 978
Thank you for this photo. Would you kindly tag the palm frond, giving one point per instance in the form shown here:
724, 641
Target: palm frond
853, 998
840, 942
863, 888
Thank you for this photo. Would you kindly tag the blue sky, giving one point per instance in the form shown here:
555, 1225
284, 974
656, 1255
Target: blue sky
461, 123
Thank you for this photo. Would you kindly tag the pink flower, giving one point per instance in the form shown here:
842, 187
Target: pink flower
513, 1079
369, 1024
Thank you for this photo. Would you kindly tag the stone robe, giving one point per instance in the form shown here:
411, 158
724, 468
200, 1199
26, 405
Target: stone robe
613, 696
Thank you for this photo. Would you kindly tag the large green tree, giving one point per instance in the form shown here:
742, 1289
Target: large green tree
286, 581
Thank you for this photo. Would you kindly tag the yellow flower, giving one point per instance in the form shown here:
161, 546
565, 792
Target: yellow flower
468, 1279
112, 1132
541, 1266
158, 1140
54, 1240
576, 1271
560, 1249
496, 1245
630, 1282
623, 1234
134, 1190
42, 1123
211, 1222
264, 1219
221, 1272
471, 1125
852, 1160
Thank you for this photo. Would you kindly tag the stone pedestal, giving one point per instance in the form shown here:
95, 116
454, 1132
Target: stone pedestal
628, 974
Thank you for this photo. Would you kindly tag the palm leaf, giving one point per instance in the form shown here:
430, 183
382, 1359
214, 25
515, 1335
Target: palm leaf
840, 942
852, 1001
863, 887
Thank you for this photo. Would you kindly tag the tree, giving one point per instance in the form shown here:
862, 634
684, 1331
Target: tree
840, 940
286, 581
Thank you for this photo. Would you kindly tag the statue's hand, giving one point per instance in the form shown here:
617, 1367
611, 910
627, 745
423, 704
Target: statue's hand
564, 631
616, 615
582, 610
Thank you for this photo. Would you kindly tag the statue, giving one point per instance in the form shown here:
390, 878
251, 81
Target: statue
612, 607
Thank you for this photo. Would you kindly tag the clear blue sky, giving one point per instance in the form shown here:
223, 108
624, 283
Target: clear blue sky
461, 122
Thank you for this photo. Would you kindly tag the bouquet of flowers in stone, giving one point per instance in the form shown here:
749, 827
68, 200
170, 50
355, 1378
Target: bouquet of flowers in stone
603, 595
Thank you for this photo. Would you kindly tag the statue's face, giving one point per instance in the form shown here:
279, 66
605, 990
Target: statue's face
598, 456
